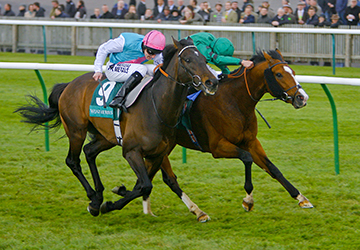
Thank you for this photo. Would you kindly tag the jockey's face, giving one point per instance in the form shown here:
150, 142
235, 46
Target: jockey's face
148, 56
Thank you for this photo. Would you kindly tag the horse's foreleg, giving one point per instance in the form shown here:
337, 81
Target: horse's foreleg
92, 150
263, 161
225, 149
170, 179
142, 187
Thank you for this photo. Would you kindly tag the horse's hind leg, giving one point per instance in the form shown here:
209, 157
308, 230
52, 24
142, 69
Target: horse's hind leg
170, 179
263, 161
92, 150
142, 187
76, 134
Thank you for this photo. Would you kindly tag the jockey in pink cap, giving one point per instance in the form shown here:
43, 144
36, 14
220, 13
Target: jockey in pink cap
128, 52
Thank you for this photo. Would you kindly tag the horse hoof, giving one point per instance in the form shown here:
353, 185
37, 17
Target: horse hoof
203, 218
247, 206
104, 207
93, 211
305, 204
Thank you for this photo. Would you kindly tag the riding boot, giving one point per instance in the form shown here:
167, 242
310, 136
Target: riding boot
129, 84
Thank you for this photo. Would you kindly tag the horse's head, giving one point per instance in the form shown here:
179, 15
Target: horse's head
193, 67
281, 82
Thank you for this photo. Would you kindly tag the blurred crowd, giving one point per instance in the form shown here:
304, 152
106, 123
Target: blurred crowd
322, 13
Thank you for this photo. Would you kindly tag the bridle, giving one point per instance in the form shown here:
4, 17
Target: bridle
272, 84
163, 72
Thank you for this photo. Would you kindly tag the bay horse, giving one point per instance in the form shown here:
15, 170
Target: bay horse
225, 125
148, 129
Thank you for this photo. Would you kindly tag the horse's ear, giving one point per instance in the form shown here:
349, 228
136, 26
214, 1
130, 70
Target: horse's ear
176, 42
267, 56
190, 39
278, 51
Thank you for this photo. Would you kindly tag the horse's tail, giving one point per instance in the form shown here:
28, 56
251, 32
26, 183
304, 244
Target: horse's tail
36, 112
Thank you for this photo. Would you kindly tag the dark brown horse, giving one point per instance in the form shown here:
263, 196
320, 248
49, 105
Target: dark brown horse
147, 130
225, 125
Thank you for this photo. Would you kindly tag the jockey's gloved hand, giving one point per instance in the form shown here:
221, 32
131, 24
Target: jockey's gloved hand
221, 76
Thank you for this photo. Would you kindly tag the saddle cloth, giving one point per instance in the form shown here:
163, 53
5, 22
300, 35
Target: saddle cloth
105, 93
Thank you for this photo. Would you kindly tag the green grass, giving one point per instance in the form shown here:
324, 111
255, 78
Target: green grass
43, 206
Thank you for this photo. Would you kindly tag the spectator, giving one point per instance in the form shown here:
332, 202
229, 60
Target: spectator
172, 5
8, 11
313, 3
96, 14
335, 21
0, 9
31, 11
164, 16
280, 18
205, 11
246, 2
340, 7
132, 2
195, 5
120, 11
330, 9
181, 6
149, 14
175, 15
352, 13
217, 14
22, 10
131, 15
300, 14
190, 16
156, 3
264, 16
126, 6
229, 15
141, 8
80, 10
235, 7
248, 17
55, 5
106, 13
322, 21
271, 12
159, 8
59, 13
313, 17
289, 12
70, 8
40, 11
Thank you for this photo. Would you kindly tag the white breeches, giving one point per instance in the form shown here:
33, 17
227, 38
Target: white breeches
212, 70
122, 71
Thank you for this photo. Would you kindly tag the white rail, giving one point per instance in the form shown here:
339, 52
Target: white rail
181, 27
83, 67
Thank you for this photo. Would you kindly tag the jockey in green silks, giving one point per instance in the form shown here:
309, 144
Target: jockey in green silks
218, 51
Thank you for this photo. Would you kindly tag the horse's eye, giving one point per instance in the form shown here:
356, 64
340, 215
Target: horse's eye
187, 60
278, 75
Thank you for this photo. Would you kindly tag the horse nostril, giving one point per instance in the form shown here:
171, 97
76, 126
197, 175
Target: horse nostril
300, 97
208, 83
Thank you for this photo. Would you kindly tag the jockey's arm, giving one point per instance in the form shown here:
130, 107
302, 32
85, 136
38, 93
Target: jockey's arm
111, 46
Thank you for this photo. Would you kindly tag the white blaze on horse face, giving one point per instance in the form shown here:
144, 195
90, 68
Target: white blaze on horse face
301, 91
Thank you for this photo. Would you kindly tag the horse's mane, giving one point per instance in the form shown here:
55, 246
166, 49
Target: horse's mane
259, 57
168, 54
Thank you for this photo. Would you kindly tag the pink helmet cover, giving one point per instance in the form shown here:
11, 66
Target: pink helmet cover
155, 40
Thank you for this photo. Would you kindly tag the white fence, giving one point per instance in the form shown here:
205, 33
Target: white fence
297, 43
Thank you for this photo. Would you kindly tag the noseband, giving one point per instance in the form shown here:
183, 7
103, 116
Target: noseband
274, 86
193, 76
